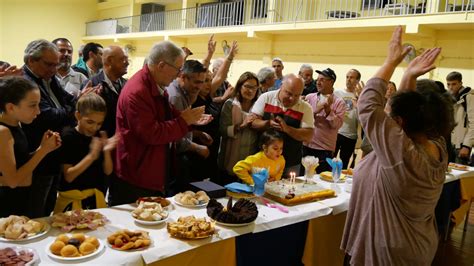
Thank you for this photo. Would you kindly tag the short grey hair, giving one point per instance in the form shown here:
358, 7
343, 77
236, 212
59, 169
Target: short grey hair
217, 64
306, 66
265, 73
164, 51
36, 48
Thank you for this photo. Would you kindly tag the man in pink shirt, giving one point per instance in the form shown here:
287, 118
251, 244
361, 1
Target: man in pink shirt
328, 112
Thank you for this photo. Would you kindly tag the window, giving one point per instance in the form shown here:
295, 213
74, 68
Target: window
259, 8
375, 3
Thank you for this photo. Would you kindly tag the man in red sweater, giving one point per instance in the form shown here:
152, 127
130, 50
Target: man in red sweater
148, 126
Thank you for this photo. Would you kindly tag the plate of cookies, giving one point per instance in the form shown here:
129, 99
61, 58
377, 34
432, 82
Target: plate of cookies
190, 227
70, 247
192, 199
126, 240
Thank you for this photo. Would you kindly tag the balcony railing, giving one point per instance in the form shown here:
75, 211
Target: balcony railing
259, 12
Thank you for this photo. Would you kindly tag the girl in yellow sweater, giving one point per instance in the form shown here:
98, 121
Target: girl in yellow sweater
269, 157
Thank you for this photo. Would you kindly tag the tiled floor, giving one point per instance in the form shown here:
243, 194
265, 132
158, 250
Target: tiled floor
459, 248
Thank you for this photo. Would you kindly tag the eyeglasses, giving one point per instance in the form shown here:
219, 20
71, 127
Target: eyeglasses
250, 87
173, 66
49, 64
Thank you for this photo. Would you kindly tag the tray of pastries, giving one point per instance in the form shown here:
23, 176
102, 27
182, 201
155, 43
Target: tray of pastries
126, 240
192, 199
242, 213
77, 246
149, 213
190, 227
162, 201
20, 228
457, 166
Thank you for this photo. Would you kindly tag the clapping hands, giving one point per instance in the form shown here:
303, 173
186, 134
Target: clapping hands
50, 141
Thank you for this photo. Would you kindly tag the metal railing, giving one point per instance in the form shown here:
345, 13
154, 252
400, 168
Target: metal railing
258, 12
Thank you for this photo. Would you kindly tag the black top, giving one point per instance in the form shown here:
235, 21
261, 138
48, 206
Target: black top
75, 147
16, 200
22, 153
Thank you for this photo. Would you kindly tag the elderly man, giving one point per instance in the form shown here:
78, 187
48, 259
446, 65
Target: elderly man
193, 148
92, 56
111, 82
277, 64
148, 126
347, 135
266, 78
283, 110
69, 79
57, 111
328, 111
462, 137
306, 72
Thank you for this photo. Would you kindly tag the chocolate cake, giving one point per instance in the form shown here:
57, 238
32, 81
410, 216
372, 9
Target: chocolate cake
243, 211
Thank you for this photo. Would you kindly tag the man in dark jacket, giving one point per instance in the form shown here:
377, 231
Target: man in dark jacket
57, 111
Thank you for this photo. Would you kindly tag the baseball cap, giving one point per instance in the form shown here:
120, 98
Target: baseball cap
327, 73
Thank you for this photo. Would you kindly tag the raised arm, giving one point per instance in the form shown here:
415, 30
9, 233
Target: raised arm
211, 48
221, 74
417, 67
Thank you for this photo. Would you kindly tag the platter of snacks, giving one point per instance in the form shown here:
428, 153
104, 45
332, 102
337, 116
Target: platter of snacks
78, 219
460, 167
20, 228
190, 227
68, 247
192, 200
18, 256
162, 201
149, 213
242, 213
327, 176
126, 240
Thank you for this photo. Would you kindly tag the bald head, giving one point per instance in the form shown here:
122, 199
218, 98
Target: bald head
291, 90
115, 62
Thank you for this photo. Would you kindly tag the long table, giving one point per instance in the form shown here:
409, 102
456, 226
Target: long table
220, 248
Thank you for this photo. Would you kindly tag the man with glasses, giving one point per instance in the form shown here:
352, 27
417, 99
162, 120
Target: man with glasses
193, 148
284, 111
69, 79
57, 111
148, 126
328, 112
109, 83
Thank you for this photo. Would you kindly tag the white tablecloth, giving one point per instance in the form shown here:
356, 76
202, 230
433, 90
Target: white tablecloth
163, 245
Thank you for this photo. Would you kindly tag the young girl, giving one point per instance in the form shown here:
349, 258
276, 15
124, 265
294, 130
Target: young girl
86, 158
19, 102
270, 157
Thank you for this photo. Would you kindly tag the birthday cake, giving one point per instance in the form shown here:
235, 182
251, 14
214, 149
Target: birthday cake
292, 192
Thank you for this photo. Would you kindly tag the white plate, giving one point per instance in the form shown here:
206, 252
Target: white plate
97, 251
150, 222
190, 206
34, 260
46, 228
235, 225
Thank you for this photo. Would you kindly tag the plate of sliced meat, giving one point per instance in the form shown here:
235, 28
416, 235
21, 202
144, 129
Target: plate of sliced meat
78, 219
18, 256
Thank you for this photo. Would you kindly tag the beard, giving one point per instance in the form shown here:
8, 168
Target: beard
64, 65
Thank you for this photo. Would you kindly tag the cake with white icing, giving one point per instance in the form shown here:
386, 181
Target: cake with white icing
290, 193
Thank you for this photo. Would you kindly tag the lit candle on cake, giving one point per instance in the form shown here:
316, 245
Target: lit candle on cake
292, 177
